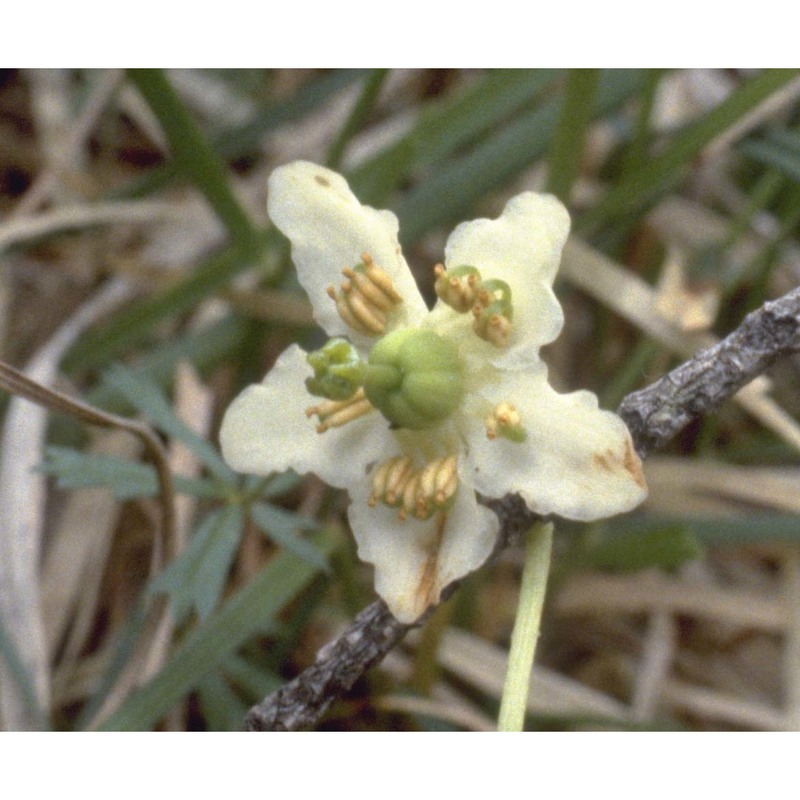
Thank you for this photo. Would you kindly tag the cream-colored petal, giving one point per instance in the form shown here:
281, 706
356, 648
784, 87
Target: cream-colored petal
330, 230
265, 430
414, 560
577, 461
523, 248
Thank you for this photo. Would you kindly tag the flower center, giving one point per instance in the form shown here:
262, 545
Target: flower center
414, 378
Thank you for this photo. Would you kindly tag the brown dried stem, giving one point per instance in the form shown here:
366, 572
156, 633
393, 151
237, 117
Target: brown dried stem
16, 382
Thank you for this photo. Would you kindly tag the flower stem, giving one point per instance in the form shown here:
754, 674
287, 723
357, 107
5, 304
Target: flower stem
526, 627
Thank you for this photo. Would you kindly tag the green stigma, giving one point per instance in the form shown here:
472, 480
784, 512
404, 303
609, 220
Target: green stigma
493, 312
338, 370
414, 378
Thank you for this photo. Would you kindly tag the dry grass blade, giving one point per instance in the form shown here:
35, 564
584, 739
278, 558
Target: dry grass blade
22, 501
17, 231
195, 405
635, 300
483, 665
436, 709
164, 546
659, 648
76, 557
766, 110
791, 658
677, 479
708, 703
648, 592
46, 181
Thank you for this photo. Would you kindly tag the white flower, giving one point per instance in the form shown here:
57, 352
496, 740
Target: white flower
474, 412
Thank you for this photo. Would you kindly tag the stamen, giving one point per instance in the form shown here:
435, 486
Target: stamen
366, 297
390, 479
335, 413
493, 312
505, 421
420, 493
380, 278
457, 287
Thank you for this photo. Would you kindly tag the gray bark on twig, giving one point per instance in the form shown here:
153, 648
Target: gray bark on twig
703, 383
654, 416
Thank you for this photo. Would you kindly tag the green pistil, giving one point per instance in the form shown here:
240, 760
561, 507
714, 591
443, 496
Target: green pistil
414, 378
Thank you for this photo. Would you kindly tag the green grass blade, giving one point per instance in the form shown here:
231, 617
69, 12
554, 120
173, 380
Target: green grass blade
243, 138
451, 193
204, 348
636, 152
775, 154
129, 328
246, 614
194, 156
450, 124
567, 146
222, 708
358, 116
644, 186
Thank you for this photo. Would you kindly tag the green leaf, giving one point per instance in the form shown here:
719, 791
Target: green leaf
666, 548
147, 398
74, 469
203, 348
196, 578
246, 614
282, 483
282, 526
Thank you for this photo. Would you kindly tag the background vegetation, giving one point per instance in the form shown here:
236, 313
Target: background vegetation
138, 272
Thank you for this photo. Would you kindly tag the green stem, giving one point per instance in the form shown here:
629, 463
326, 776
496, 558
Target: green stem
526, 628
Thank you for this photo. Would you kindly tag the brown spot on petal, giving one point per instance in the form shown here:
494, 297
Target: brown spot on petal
428, 589
321, 180
604, 461
608, 461
633, 464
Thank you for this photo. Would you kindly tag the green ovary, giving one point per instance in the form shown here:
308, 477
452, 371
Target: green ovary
414, 378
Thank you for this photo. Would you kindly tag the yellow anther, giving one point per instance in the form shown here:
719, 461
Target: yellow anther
505, 421
493, 328
366, 297
493, 312
390, 480
335, 413
458, 288
421, 492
